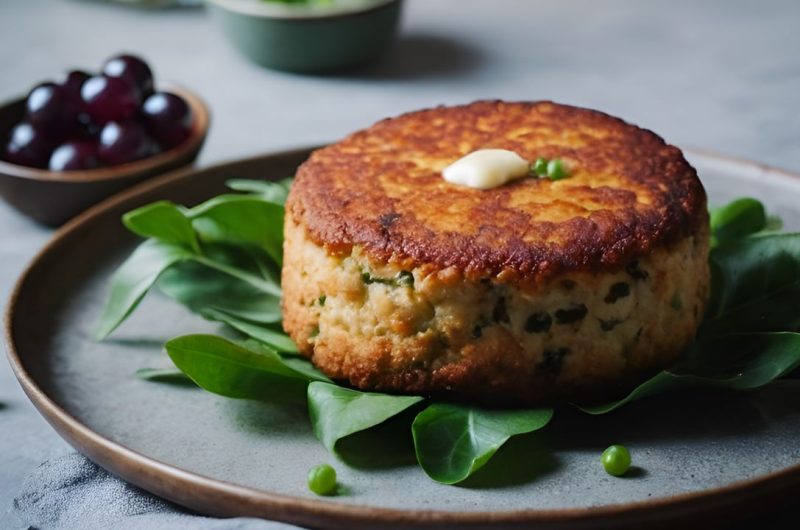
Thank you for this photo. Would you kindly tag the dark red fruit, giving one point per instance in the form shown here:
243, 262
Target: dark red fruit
107, 99
51, 110
168, 119
28, 146
74, 155
74, 81
133, 70
86, 129
125, 142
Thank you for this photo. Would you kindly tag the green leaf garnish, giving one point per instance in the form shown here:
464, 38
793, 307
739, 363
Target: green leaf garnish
229, 369
274, 338
338, 412
454, 441
736, 220
199, 288
736, 362
269, 191
134, 279
165, 222
245, 220
749, 272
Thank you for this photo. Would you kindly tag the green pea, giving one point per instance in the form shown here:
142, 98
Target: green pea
616, 460
540, 166
556, 170
322, 479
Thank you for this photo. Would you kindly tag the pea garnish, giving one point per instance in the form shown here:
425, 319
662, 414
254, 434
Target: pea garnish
322, 479
540, 166
552, 169
616, 460
556, 170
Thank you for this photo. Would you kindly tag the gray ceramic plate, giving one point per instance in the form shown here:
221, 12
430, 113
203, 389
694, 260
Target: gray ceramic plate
707, 456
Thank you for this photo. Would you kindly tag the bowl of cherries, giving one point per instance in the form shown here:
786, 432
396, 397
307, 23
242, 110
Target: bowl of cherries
69, 144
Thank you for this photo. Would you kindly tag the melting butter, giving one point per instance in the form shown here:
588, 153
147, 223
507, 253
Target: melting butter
487, 168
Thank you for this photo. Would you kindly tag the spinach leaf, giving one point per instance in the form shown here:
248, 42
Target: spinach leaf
164, 221
229, 369
241, 220
134, 278
304, 366
201, 288
164, 375
735, 361
276, 339
776, 311
741, 361
269, 191
337, 412
737, 219
751, 270
454, 441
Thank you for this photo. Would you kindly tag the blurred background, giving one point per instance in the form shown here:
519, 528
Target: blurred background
720, 75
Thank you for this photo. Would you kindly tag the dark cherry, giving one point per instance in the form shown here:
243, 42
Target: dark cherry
125, 142
28, 146
86, 129
107, 99
51, 110
74, 155
133, 70
168, 119
74, 81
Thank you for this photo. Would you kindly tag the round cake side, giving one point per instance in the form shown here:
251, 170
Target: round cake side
535, 318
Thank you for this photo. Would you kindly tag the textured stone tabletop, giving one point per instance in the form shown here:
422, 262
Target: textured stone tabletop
723, 75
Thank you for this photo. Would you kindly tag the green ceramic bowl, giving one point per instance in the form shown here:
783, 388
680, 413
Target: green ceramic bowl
309, 39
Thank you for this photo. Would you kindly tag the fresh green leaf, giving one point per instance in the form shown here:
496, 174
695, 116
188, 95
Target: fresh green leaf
257, 282
270, 191
752, 270
337, 412
164, 221
229, 369
774, 224
241, 220
736, 361
454, 441
275, 339
134, 278
737, 219
164, 375
201, 288
741, 361
777, 311
660, 383
304, 366
295, 362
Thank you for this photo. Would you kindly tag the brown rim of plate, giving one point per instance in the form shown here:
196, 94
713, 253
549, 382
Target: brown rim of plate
222, 498
199, 129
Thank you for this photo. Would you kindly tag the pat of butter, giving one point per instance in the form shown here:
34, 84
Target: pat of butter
487, 168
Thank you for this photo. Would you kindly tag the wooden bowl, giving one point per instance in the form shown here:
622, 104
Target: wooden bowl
53, 197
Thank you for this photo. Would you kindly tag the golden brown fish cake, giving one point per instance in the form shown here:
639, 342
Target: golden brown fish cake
396, 280
382, 189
